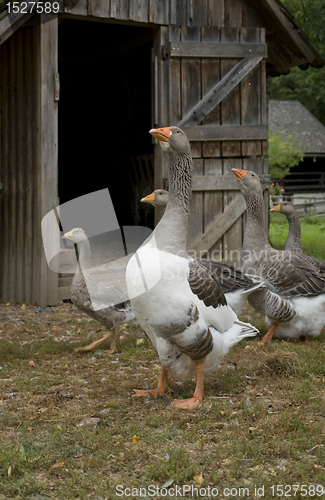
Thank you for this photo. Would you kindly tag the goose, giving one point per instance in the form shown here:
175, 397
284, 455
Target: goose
158, 198
293, 242
116, 309
235, 285
293, 299
184, 313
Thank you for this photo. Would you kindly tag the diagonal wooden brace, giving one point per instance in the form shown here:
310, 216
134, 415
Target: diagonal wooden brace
219, 91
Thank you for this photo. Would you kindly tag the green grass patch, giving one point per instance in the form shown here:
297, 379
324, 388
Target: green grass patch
71, 429
312, 233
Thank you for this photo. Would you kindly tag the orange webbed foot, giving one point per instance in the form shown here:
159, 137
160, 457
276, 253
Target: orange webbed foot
187, 404
138, 393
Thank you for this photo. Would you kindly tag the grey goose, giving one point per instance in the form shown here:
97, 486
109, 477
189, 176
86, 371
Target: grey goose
293, 299
185, 314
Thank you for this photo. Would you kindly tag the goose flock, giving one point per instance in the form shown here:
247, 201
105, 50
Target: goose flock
190, 313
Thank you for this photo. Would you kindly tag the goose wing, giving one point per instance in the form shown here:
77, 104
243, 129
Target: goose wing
292, 276
229, 277
205, 285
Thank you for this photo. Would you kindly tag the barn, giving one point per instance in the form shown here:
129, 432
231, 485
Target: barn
79, 92
305, 184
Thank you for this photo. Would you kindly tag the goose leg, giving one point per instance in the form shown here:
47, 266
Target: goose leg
91, 346
162, 387
268, 336
196, 400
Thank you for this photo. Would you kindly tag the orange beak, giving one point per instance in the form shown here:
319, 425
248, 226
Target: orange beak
161, 134
240, 174
277, 208
149, 199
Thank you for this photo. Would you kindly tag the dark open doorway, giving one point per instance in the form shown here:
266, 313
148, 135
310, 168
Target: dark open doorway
105, 115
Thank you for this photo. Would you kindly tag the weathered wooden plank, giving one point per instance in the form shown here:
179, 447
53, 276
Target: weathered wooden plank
230, 106
190, 73
160, 105
64, 293
12, 172
120, 9
233, 13
226, 133
251, 85
4, 152
9, 26
210, 73
19, 167
211, 148
80, 8
215, 13
251, 148
220, 224
139, 11
174, 104
178, 12
197, 12
213, 203
221, 49
250, 15
99, 8
48, 172
224, 182
159, 11
231, 148
219, 92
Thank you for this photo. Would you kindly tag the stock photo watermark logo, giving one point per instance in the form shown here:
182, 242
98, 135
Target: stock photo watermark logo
83, 236
34, 13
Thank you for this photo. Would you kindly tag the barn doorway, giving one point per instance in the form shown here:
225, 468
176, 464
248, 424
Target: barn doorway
105, 115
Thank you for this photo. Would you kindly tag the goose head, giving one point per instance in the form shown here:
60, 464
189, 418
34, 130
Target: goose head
76, 235
285, 207
159, 198
249, 182
173, 140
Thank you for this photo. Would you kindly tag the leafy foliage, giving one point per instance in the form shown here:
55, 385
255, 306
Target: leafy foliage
284, 153
308, 86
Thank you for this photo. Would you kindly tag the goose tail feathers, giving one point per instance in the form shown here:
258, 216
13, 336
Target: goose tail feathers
246, 330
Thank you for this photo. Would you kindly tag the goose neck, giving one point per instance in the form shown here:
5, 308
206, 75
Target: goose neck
84, 254
171, 232
255, 234
293, 242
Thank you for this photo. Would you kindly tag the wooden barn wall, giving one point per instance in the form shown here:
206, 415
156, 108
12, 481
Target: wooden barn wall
188, 80
25, 152
229, 13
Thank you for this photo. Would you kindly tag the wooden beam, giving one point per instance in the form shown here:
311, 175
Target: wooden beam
227, 133
222, 182
220, 225
208, 49
219, 91
10, 23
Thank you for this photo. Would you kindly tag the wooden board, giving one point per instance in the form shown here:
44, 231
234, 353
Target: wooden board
207, 50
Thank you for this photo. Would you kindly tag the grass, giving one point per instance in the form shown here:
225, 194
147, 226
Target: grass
312, 233
70, 428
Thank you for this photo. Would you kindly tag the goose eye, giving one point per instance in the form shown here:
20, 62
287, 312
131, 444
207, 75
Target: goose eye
177, 131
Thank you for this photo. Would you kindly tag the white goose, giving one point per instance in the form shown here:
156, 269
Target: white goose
185, 314
293, 299
235, 285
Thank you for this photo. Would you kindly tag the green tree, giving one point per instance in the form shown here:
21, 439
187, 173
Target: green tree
307, 86
285, 152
